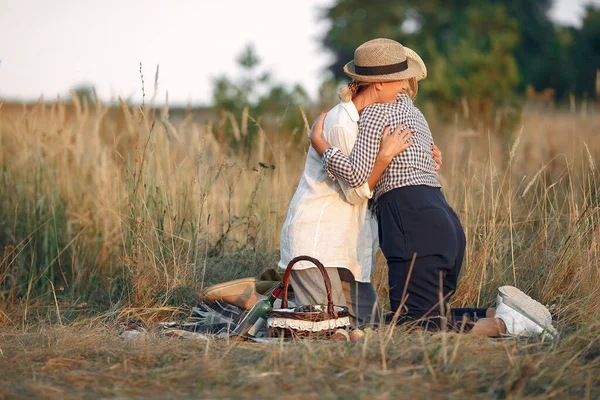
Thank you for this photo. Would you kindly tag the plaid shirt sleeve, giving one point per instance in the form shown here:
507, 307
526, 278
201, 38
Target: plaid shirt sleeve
356, 169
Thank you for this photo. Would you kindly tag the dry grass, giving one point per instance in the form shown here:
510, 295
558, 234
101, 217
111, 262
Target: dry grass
112, 209
89, 360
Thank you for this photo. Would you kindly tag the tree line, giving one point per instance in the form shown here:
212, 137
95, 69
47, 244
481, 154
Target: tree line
476, 48
481, 54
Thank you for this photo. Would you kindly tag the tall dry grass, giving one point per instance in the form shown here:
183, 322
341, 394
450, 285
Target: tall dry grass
130, 211
121, 206
125, 203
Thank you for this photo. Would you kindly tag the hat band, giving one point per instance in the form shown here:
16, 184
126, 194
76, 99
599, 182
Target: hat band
382, 69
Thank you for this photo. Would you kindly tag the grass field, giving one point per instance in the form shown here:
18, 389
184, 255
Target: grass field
88, 360
113, 213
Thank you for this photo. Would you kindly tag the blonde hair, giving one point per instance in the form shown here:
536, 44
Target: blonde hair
413, 88
347, 92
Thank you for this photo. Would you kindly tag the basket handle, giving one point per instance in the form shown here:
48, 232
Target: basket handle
286, 281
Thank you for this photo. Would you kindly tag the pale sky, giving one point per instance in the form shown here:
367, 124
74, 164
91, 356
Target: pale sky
48, 47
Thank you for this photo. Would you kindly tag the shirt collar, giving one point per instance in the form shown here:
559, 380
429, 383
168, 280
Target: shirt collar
400, 97
351, 110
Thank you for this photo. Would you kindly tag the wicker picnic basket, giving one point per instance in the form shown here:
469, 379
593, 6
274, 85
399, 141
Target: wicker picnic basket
314, 321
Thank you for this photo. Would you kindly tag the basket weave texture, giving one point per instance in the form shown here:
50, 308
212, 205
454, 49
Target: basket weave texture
307, 320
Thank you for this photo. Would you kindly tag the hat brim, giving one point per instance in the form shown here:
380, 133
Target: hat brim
413, 71
413, 55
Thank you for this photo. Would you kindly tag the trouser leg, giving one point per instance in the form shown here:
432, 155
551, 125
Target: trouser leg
454, 272
309, 287
359, 297
361, 300
416, 221
420, 297
463, 319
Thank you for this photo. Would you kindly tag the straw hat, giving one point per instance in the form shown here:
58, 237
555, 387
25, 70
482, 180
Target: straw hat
384, 60
412, 55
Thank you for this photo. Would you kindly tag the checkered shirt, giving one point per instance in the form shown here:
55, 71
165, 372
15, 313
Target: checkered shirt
414, 166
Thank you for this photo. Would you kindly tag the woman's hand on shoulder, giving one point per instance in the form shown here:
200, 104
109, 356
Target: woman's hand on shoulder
316, 135
394, 143
437, 156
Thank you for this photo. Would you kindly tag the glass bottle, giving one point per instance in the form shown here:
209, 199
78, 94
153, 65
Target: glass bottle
256, 318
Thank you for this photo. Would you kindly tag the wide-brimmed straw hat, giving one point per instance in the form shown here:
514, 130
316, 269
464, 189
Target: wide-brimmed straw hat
384, 60
412, 55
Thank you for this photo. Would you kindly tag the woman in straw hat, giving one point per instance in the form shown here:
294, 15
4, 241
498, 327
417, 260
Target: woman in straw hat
331, 221
419, 233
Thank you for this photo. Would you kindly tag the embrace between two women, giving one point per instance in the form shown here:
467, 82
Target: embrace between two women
370, 180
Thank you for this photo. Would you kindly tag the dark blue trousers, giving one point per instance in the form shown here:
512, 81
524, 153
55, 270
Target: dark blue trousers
417, 220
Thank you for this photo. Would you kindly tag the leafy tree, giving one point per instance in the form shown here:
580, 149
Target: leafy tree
568, 67
84, 91
565, 59
354, 22
544, 54
477, 64
538, 51
586, 53
234, 96
468, 46
256, 97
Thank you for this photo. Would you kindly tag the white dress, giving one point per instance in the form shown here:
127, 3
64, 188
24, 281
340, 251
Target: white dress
327, 219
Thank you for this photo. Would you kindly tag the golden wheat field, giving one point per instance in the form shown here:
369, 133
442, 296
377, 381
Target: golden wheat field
110, 213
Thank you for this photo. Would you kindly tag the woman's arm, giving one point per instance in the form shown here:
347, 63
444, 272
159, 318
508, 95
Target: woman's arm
343, 139
437, 156
358, 167
390, 146
316, 134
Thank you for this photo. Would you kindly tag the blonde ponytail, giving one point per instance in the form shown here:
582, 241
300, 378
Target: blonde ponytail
347, 92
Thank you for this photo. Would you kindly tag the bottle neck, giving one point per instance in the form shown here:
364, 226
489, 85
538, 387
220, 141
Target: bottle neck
275, 294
